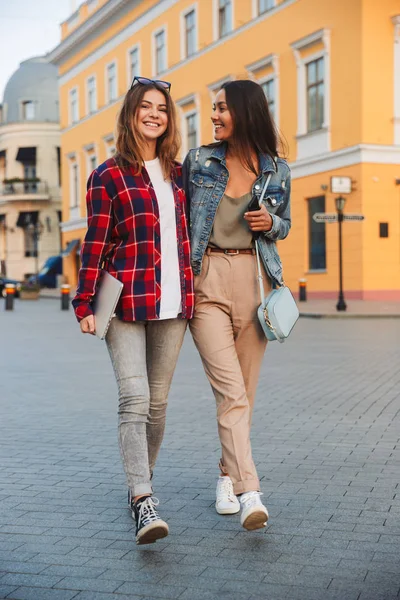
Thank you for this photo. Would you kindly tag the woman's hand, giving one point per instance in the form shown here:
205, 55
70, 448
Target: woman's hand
87, 325
259, 220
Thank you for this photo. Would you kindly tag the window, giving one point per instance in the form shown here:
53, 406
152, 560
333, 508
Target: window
224, 17
160, 52
73, 106
315, 94
91, 95
92, 162
265, 5
312, 54
191, 131
269, 91
31, 241
30, 183
112, 82
317, 241
28, 110
190, 33
74, 186
134, 68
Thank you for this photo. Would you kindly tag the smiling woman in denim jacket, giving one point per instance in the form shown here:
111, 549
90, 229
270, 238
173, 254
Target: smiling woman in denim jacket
220, 180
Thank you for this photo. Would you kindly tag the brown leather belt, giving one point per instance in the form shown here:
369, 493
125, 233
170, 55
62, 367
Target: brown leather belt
231, 251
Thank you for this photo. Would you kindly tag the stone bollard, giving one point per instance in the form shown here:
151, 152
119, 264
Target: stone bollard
302, 290
65, 298
10, 295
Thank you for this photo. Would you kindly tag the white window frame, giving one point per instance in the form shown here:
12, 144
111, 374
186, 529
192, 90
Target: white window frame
256, 12
182, 104
216, 20
23, 106
313, 143
74, 209
396, 80
90, 152
107, 91
270, 61
154, 50
184, 13
88, 111
75, 89
109, 143
128, 60
213, 88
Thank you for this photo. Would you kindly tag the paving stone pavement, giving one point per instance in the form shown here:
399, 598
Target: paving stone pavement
325, 441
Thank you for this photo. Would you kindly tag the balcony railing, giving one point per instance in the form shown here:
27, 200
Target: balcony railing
15, 190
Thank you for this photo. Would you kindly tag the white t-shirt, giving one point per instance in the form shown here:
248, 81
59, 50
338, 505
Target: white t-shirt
171, 298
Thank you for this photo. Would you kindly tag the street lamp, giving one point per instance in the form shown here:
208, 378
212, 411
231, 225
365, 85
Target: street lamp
340, 201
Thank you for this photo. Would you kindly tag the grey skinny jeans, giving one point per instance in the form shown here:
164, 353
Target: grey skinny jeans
144, 356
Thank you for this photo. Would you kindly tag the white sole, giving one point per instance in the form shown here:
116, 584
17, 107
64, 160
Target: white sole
152, 532
227, 511
255, 520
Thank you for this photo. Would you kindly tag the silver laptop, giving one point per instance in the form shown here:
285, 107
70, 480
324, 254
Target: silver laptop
105, 302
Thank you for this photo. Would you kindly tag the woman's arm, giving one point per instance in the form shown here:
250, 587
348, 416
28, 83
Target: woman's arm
94, 247
281, 221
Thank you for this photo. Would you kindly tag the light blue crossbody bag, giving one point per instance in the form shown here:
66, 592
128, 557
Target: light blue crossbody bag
278, 311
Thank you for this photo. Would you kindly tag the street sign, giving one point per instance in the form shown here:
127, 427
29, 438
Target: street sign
325, 217
341, 185
333, 218
353, 217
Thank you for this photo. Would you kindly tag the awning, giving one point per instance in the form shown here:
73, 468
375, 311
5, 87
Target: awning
2, 219
26, 155
27, 218
70, 246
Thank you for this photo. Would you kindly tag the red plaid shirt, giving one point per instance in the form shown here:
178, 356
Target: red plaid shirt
124, 238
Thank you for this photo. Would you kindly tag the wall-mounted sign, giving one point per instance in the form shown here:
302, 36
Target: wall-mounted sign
341, 185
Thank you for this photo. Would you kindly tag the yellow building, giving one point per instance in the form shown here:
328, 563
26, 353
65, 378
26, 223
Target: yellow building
331, 71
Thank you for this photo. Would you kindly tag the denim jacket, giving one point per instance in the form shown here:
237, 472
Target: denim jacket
205, 177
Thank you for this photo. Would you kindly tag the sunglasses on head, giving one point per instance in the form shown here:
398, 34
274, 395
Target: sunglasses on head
165, 85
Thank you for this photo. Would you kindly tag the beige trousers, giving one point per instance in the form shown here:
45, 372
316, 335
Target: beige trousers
231, 344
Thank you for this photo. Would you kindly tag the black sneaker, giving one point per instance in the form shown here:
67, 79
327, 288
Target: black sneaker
149, 526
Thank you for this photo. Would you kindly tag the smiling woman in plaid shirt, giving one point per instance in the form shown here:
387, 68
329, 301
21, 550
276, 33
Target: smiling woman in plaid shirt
137, 231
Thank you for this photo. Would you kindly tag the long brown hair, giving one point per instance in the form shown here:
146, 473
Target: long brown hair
130, 142
253, 127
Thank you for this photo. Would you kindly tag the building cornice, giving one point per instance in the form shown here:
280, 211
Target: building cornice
346, 157
145, 19
73, 224
103, 14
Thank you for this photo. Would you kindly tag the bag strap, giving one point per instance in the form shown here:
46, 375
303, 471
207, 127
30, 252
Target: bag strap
260, 277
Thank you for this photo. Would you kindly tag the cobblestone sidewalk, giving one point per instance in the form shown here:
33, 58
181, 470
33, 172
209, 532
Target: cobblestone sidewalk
325, 440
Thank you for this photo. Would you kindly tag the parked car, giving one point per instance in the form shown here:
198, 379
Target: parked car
47, 276
3, 283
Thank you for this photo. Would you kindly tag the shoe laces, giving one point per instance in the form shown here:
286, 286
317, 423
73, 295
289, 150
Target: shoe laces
147, 510
226, 487
250, 499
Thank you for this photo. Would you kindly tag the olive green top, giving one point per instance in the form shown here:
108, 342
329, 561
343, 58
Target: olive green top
230, 228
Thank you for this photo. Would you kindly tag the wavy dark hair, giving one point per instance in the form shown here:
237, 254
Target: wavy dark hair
254, 129
130, 142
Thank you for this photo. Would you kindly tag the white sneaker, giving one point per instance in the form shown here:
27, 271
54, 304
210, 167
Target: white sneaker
254, 513
226, 503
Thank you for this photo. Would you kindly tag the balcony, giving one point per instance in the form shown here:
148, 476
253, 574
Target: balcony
13, 190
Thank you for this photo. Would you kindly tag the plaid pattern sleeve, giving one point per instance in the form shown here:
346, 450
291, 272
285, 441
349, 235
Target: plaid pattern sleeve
124, 238
95, 245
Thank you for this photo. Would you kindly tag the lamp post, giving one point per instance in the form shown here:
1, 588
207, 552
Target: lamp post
340, 202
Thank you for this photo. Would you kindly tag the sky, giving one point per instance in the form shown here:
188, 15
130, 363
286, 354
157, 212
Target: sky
29, 28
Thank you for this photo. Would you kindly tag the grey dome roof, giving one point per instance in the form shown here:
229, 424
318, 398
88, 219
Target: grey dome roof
35, 81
